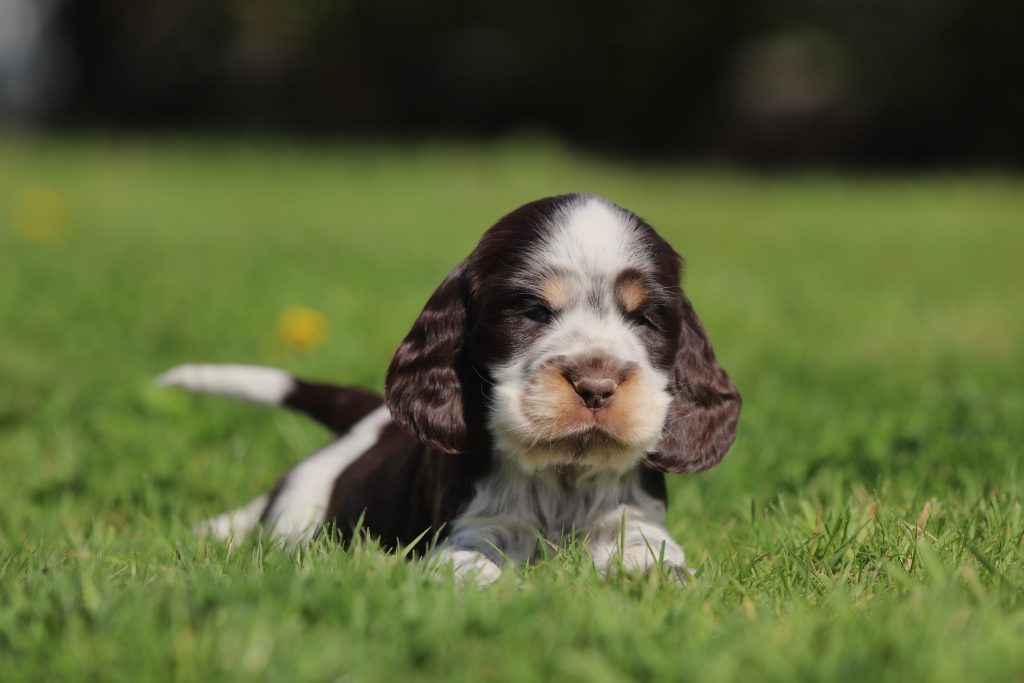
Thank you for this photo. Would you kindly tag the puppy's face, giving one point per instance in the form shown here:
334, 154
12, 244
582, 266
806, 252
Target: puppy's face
565, 338
577, 332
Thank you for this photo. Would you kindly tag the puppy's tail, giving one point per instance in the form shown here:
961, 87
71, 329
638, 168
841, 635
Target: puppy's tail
337, 408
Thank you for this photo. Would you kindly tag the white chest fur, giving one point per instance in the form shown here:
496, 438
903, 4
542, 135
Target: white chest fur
513, 512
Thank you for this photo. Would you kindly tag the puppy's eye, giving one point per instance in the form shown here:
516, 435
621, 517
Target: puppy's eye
539, 314
643, 321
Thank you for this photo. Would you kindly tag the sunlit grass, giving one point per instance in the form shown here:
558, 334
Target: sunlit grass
866, 526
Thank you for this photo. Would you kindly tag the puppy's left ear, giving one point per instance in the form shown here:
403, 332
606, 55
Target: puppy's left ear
430, 375
702, 417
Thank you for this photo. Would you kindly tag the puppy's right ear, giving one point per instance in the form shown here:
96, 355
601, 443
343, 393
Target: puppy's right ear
430, 375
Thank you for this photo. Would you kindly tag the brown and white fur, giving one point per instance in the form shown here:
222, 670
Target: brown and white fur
550, 381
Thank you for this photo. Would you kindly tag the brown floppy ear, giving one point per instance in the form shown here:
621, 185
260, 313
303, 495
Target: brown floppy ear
701, 421
430, 375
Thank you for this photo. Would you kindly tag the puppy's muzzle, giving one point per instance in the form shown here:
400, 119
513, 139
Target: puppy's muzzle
595, 378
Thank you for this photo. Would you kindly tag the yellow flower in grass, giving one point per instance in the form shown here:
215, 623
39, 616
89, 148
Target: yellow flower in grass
302, 328
40, 214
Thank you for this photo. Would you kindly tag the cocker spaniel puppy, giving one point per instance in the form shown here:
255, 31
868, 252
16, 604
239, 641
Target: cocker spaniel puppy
549, 383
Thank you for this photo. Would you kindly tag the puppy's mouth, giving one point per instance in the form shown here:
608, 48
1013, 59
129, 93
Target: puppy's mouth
578, 444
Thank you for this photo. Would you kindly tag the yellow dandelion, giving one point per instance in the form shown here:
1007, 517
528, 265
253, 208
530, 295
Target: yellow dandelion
40, 214
302, 328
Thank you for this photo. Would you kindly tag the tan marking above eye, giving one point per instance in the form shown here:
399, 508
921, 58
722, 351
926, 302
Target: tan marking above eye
631, 294
557, 291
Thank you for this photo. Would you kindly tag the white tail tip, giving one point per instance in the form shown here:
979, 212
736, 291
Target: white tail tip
245, 382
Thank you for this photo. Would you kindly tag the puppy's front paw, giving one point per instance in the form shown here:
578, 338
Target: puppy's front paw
468, 566
644, 558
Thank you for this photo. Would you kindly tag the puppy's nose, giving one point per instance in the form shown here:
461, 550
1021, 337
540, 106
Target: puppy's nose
596, 392
595, 378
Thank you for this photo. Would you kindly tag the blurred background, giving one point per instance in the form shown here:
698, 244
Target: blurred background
852, 82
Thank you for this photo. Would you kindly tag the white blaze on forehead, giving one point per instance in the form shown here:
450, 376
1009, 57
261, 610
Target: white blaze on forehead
594, 236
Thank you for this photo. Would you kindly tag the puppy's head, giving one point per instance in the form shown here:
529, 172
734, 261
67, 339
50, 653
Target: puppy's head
566, 338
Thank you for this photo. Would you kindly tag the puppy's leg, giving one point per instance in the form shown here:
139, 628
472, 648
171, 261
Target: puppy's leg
299, 504
234, 523
468, 565
635, 538
479, 547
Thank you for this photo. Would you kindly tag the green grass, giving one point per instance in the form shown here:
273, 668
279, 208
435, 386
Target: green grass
867, 525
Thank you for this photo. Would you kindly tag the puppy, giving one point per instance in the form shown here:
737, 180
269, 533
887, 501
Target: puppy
549, 383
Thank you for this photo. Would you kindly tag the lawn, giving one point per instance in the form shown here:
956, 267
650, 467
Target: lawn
866, 526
